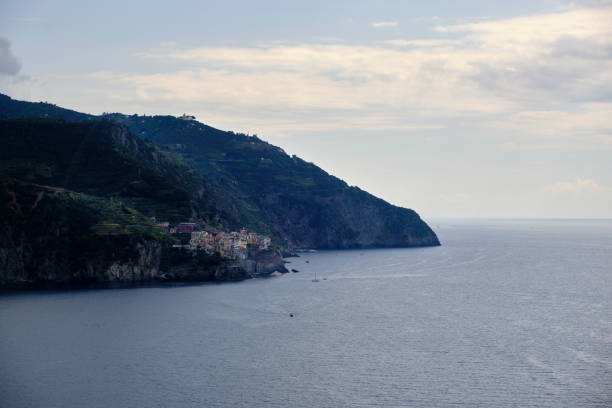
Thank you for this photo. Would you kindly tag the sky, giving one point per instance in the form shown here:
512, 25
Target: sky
452, 108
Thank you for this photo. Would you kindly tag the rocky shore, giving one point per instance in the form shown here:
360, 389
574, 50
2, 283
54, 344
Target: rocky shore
18, 272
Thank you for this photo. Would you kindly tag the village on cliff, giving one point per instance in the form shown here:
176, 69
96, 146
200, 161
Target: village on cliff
231, 245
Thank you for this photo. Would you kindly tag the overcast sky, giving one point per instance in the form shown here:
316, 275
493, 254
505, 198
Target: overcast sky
452, 108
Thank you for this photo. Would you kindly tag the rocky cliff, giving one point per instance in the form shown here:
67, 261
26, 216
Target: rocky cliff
51, 236
261, 263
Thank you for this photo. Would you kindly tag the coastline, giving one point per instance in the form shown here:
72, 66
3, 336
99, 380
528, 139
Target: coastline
258, 267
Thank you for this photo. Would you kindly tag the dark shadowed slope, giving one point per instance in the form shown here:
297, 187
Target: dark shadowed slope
11, 108
76, 201
103, 158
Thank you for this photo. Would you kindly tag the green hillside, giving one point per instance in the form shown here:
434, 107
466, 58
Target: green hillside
102, 158
77, 202
53, 234
297, 200
244, 182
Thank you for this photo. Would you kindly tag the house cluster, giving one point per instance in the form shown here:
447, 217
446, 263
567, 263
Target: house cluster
232, 245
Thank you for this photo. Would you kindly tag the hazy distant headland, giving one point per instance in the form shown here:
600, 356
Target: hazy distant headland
142, 198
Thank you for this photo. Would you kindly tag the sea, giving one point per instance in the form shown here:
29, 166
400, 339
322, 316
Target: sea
506, 313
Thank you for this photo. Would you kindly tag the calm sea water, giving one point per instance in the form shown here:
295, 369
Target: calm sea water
504, 314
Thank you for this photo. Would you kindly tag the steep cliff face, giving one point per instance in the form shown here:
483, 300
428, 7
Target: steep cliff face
142, 266
346, 218
53, 235
262, 263
219, 273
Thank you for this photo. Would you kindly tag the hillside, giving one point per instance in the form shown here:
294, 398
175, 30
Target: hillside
258, 185
102, 158
77, 201
12, 109
56, 235
298, 200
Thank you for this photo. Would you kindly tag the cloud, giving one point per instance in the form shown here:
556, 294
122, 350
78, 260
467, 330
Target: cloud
384, 24
578, 186
533, 82
586, 48
532, 31
591, 128
9, 64
351, 77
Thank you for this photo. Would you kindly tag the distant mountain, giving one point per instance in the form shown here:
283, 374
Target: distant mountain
254, 184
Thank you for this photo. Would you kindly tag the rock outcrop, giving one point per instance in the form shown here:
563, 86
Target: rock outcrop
263, 263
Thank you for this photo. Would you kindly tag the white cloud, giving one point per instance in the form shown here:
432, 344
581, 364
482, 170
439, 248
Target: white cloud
531, 31
545, 80
369, 78
384, 24
589, 128
578, 186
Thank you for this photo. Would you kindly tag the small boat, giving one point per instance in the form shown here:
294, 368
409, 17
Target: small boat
315, 278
